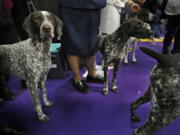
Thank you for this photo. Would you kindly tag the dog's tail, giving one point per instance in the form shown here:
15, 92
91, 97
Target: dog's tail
165, 60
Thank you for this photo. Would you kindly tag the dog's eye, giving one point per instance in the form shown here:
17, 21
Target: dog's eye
36, 18
51, 18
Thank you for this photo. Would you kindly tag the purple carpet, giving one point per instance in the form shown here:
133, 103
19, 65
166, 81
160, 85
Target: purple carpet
74, 113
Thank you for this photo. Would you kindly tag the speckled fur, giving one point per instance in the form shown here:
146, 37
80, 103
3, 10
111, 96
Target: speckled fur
113, 47
164, 95
30, 60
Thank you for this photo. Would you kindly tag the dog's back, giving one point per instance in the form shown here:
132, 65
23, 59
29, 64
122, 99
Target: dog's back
15, 58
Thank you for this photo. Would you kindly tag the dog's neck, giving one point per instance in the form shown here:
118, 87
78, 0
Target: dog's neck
120, 35
42, 44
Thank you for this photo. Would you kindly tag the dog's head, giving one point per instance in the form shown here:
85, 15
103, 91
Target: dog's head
164, 61
136, 28
43, 25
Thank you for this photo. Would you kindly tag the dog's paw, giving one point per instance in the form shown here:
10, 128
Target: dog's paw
49, 104
135, 118
105, 91
114, 89
126, 63
134, 62
44, 118
136, 132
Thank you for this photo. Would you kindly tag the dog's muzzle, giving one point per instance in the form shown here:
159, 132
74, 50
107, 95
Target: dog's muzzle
47, 31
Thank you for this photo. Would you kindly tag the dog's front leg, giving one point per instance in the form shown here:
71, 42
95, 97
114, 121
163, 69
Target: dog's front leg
105, 90
32, 86
44, 92
126, 52
162, 114
142, 100
134, 44
115, 71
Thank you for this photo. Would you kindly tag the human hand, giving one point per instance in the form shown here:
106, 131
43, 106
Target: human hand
135, 7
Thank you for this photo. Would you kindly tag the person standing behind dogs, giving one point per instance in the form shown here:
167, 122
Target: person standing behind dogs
8, 35
172, 11
111, 14
81, 20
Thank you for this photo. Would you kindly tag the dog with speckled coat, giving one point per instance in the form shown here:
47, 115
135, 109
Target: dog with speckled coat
113, 47
163, 93
30, 60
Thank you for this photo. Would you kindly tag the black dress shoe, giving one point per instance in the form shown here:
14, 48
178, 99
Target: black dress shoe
81, 86
97, 79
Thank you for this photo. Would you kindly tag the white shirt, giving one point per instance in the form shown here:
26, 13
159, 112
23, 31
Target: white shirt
172, 7
110, 16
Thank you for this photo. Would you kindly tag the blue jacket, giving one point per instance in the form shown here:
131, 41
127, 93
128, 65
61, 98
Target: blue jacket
82, 4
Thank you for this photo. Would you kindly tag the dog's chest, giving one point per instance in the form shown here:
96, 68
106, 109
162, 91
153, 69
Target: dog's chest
41, 59
114, 50
166, 85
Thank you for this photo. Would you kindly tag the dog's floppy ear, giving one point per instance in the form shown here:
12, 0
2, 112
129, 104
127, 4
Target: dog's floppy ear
28, 27
58, 26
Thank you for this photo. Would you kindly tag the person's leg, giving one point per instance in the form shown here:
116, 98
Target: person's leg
92, 77
91, 65
78, 83
74, 64
176, 48
171, 29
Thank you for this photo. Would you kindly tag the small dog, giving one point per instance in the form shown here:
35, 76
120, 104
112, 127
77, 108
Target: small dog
163, 93
30, 60
113, 47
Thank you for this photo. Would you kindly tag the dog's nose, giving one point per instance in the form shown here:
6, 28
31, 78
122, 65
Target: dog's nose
46, 28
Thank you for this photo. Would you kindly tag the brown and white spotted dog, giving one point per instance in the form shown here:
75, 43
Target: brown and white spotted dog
30, 60
113, 47
163, 93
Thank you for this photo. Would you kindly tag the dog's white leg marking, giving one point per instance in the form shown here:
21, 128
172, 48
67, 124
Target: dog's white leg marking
105, 90
32, 86
126, 52
134, 44
44, 92
115, 71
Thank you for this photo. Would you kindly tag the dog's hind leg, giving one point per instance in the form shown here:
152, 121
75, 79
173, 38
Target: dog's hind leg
105, 90
44, 92
115, 71
32, 86
159, 117
134, 44
142, 100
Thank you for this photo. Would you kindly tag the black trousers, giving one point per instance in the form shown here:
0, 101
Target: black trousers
173, 27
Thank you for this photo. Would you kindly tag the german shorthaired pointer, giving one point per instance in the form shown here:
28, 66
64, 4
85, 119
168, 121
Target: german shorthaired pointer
163, 92
113, 47
30, 60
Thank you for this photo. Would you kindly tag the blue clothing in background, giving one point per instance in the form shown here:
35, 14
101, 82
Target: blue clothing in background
81, 20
